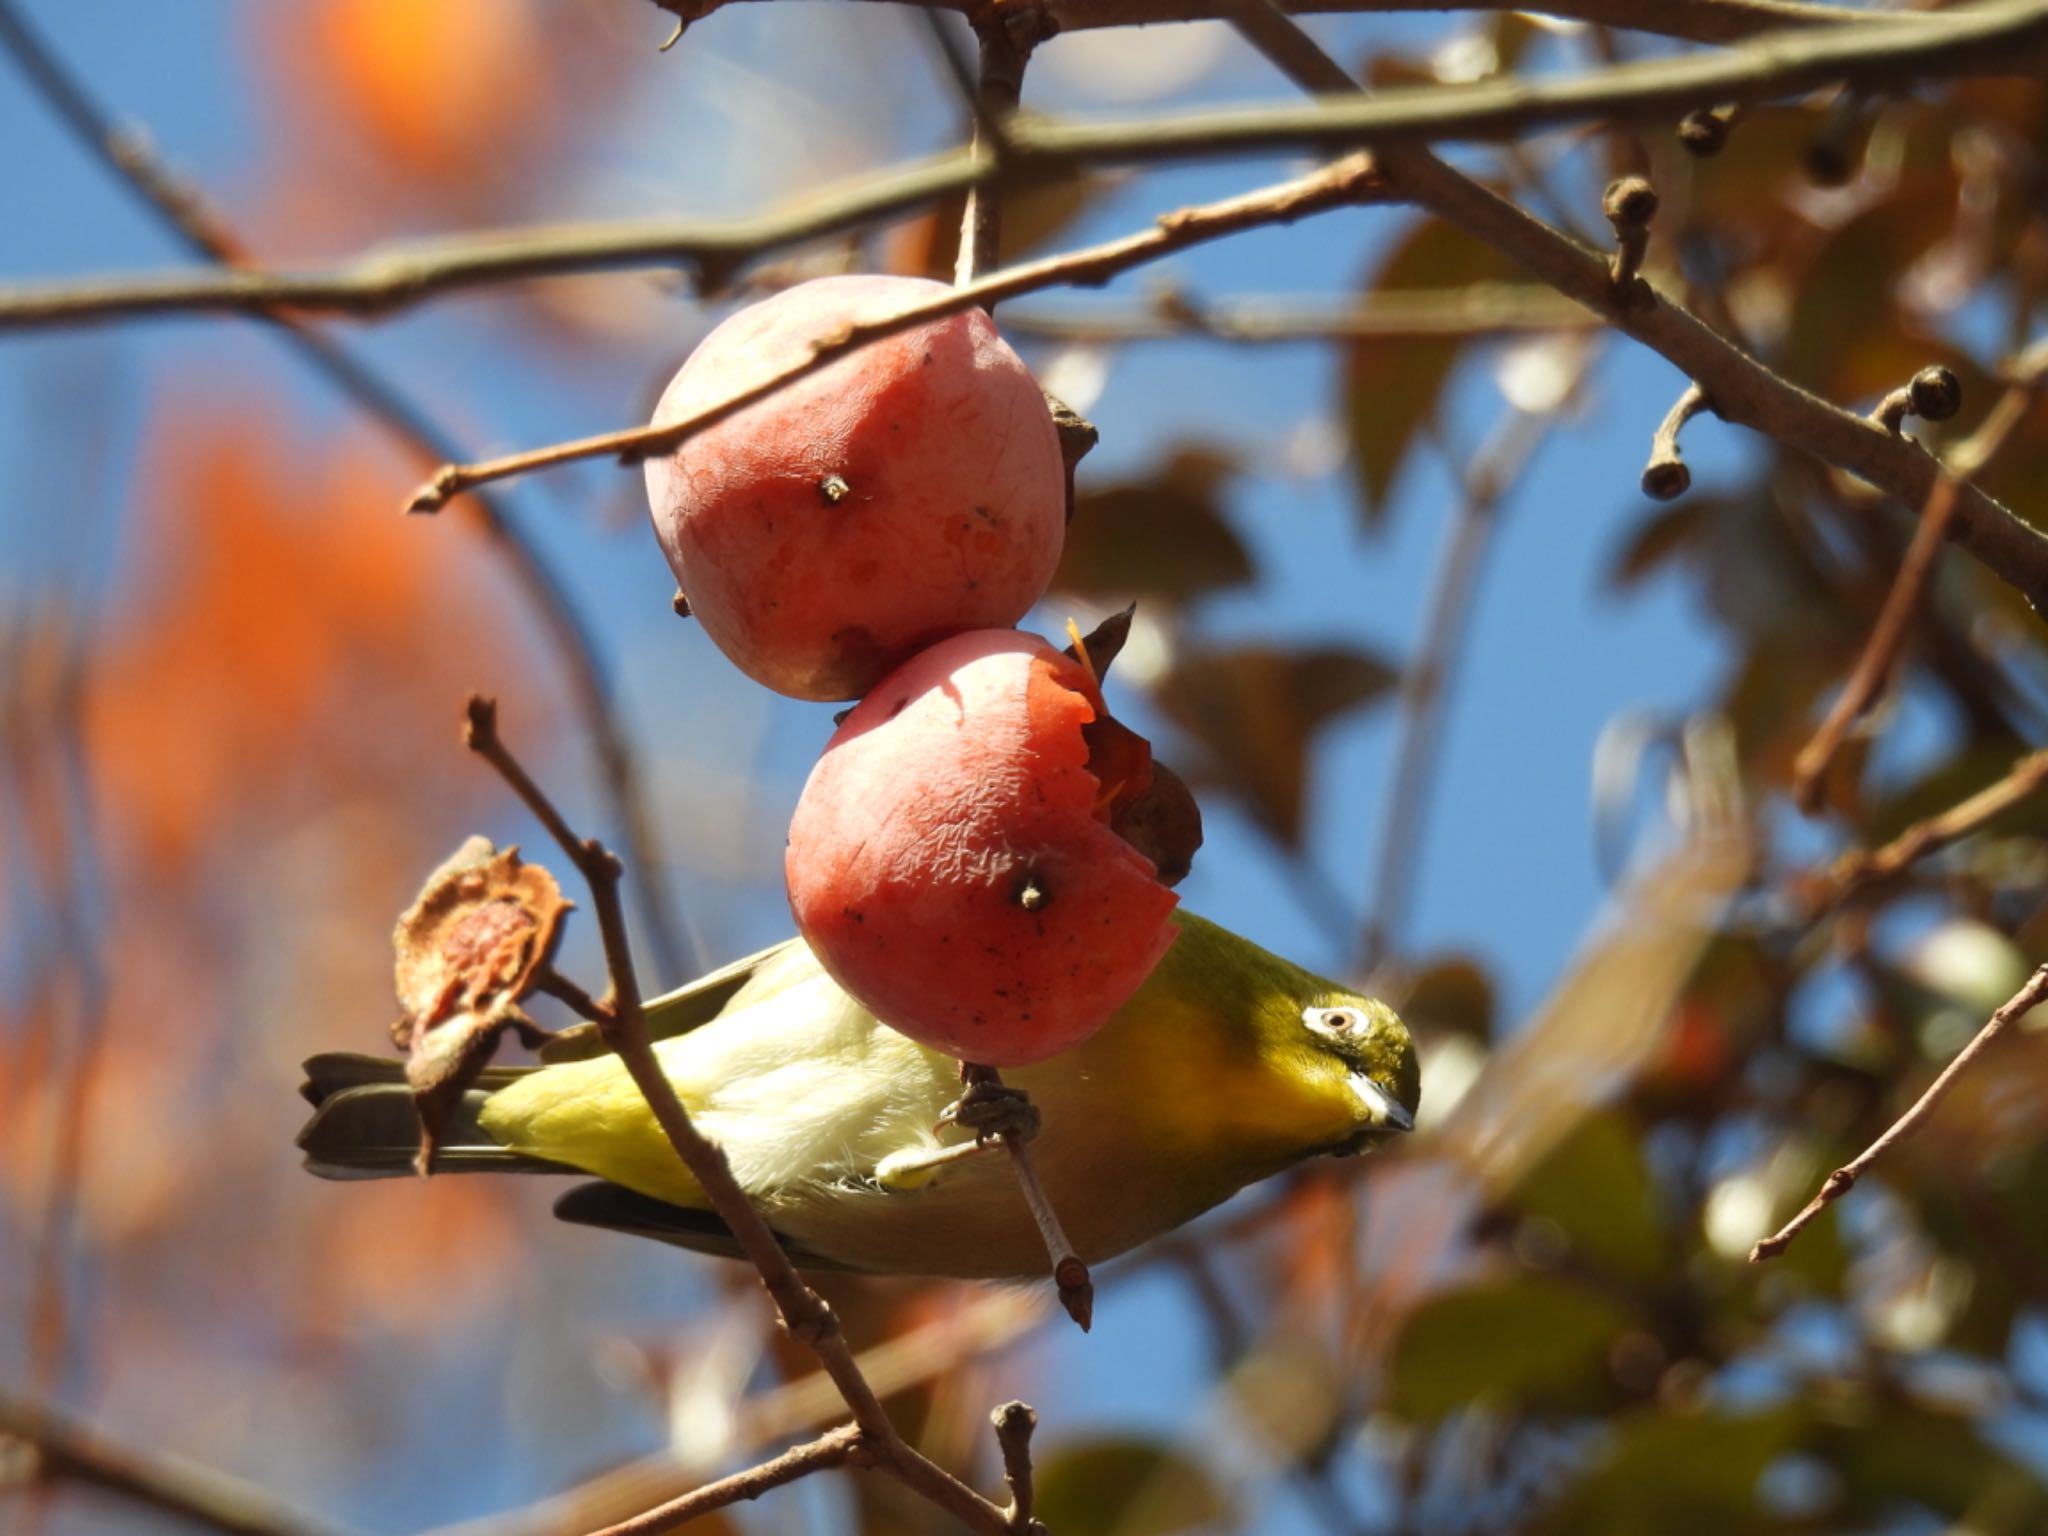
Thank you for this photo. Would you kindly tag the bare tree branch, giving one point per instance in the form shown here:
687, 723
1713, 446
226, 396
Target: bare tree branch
1860, 870
1346, 183
1425, 314
1876, 666
624, 1030
2002, 38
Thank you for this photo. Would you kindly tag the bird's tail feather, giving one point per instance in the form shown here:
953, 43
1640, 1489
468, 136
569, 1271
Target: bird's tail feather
365, 1125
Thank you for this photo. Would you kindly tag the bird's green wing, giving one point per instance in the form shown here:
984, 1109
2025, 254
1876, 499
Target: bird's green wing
614, 1208
753, 979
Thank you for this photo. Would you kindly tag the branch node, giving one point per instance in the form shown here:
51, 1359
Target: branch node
1014, 1423
433, 496
1630, 203
1704, 132
1933, 394
1665, 477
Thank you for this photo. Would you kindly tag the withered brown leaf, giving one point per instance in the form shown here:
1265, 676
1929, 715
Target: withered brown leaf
483, 927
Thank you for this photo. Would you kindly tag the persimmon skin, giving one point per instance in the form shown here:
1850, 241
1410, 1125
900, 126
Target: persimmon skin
909, 491
951, 866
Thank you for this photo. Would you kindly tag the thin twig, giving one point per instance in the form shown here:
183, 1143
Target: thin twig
1665, 476
572, 996
1744, 391
180, 209
834, 1448
1999, 39
1426, 314
387, 279
1344, 184
1875, 667
1991, 39
624, 1029
999, 88
1859, 870
1843, 1179
66, 1452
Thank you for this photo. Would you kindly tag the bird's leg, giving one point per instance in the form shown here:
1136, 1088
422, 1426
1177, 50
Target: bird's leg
987, 1106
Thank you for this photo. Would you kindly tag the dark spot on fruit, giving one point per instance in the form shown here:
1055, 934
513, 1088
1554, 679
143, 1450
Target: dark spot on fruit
853, 914
927, 359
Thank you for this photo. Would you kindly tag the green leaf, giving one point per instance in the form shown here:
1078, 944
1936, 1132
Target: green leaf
1255, 712
1596, 1188
1392, 388
1678, 1471
1162, 537
1522, 1341
1125, 1486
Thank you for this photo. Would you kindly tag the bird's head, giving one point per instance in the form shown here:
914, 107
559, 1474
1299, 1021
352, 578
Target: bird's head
1358, 1053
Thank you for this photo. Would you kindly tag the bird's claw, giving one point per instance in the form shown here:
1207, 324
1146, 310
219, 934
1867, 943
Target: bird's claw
992, 1109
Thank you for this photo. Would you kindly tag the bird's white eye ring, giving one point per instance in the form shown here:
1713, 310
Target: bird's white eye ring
1333, 1021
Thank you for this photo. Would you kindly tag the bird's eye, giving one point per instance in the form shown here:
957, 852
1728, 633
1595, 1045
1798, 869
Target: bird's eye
1333, 1021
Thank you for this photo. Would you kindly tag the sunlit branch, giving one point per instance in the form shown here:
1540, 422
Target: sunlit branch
2004, 38
1346, 183
834, 1448
1478, 311
623, 1025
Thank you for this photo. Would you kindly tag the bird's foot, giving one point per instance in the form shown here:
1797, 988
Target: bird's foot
990, 1108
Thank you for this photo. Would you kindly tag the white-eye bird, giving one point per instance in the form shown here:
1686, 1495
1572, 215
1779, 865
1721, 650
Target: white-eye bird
1228, 1065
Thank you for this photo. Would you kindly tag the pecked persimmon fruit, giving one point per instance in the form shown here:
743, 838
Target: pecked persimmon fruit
910, 490
953, 861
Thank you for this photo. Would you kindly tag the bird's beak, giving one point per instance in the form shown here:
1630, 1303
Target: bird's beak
1384, 1110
